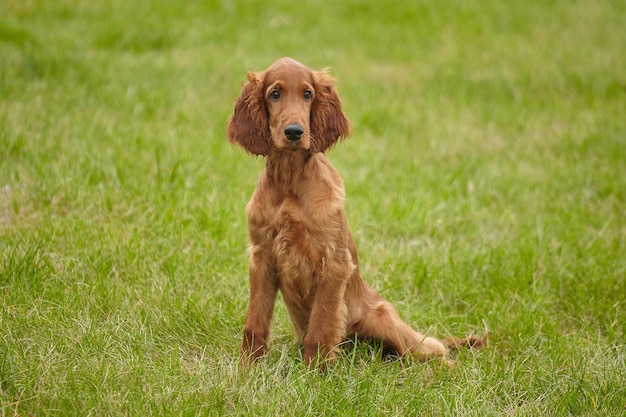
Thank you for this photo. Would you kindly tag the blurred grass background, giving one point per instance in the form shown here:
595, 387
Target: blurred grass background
485, 189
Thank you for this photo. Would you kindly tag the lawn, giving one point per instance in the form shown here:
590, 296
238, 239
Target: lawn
486, 190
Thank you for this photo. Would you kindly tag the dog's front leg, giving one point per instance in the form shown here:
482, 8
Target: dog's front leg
263, 289
327, 325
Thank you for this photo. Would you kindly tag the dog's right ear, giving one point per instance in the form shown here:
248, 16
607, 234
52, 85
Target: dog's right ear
249, 125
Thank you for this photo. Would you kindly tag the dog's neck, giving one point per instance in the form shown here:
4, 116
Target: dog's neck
285, 168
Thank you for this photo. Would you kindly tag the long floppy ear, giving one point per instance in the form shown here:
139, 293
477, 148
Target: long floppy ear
328, 122
249, 125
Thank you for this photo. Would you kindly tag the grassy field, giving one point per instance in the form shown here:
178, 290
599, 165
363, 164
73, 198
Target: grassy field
486, 190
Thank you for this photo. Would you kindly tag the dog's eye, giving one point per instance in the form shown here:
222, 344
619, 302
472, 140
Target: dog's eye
275, 95
308, 95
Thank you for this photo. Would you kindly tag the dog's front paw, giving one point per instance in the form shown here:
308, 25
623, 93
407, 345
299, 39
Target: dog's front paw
318, 356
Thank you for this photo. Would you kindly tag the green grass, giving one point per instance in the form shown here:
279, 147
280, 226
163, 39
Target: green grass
485, 183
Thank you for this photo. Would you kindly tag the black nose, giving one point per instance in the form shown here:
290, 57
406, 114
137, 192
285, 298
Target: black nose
294, 132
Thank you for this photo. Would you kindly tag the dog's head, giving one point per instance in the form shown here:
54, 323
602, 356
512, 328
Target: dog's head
288, 106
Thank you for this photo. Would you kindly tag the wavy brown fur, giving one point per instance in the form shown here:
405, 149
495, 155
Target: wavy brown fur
300, 240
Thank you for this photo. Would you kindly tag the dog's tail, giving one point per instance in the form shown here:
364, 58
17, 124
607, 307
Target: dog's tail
472, 342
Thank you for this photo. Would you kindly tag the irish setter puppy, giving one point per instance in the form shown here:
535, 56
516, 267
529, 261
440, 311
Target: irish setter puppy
300, 240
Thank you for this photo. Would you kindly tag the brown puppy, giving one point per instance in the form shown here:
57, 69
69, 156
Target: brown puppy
300, 240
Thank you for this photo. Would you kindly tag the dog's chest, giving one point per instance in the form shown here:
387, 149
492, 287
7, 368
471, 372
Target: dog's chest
299, 235
301, 250
299, 223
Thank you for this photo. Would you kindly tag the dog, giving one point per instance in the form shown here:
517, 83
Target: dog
300, 242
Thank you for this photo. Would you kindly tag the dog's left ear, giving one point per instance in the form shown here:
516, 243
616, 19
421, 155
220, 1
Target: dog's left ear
328, 122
